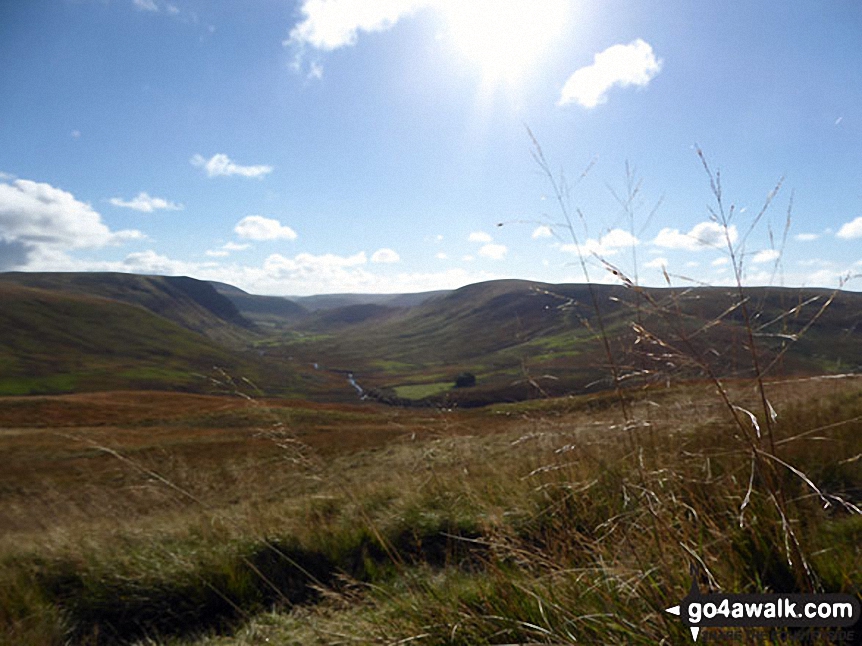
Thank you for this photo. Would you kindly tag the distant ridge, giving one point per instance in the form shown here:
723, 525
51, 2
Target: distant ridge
526, 339
333, 301
332, 319
519, 338
225, 288
262, 310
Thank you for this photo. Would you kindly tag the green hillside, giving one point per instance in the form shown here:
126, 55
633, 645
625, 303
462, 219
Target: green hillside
192, 304
61, 342
522, 337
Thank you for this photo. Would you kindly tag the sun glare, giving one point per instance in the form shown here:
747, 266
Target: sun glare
504, 38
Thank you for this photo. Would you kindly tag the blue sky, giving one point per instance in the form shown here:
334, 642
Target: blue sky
331, 146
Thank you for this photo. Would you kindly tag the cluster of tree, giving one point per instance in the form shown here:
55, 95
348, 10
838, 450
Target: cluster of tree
465, 380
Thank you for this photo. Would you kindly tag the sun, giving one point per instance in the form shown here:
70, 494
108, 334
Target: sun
505, 39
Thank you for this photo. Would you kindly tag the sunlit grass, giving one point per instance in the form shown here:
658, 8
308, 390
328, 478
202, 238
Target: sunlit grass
530, 521
418, 391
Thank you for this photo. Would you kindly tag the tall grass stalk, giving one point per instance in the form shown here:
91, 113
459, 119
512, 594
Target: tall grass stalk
757, 431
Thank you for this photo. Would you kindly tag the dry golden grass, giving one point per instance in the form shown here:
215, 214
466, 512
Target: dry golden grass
565, 532
58, 461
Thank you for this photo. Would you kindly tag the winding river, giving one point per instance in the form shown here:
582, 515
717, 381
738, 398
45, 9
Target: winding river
350, 379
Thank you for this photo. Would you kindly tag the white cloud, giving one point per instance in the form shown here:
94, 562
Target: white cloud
479, 236
119, 237
150, 262
220, 165
493, 251
442, 256
304, 274
608, 245
305, 262
615, 239
330, 24
330, 273
850, 230
503, 37
38, 212
144, 262
146, 204
657, 263
336, 273
257, 227
226, 249
825, 278
720, 262
167, 8
37, 217
621, 65
767, 255
387, 256
145, 5
702, 235
468, 258
542, 232
814, 262
315, 71
806, 237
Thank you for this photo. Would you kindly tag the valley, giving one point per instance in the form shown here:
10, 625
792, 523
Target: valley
189, 464
520, 339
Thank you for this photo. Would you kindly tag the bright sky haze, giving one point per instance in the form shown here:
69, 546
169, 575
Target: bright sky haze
326, 146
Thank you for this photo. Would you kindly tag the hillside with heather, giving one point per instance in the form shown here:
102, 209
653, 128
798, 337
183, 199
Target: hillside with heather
520, 339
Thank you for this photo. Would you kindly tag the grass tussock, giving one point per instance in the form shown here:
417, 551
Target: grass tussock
542, 526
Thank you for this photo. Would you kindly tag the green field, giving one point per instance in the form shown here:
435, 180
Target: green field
419, 391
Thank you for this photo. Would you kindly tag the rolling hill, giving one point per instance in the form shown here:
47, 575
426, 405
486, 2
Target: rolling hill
61, 342
192, 304
67, 332
521, 339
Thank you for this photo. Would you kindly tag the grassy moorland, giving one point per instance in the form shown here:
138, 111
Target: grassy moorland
715, 434
188, 519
